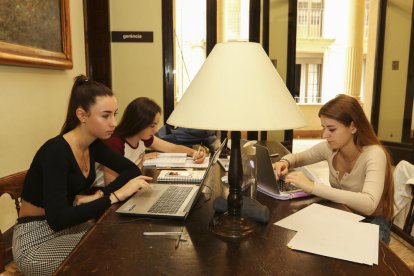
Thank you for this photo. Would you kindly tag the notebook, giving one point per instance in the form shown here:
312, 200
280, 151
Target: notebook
170, 200
166, 159
267, 182
181, 176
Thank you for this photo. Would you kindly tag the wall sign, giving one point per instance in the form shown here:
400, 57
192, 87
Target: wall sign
122, 36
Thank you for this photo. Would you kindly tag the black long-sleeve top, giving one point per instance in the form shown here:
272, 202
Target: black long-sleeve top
54, 179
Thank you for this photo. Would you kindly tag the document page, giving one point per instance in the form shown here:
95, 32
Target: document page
167, 160
333, 233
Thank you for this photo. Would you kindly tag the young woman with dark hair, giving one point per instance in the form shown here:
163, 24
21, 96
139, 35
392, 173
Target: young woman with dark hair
135, 133
360, 168
55, 206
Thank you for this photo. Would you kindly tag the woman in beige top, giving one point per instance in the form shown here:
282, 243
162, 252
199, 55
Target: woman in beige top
360, 168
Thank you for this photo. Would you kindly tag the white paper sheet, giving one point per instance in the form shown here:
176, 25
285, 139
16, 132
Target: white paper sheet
314, 213
333, 233
346, 240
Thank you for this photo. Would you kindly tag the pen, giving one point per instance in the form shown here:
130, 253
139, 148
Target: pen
274, 155
198, 151
162, 233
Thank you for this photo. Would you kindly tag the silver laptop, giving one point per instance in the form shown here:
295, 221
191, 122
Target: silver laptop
267, 181
173, 200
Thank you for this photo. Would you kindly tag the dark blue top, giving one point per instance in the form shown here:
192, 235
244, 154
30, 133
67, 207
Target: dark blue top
54, 179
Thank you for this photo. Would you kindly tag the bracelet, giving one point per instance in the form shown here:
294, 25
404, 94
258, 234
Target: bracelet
116, 197
287, 161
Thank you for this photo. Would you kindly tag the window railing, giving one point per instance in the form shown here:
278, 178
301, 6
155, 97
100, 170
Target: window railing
308, 100
309, 22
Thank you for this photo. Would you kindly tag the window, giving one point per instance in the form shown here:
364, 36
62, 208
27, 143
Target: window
190, 35
235, 20
309, 21
366, 19
189, 42
310, 83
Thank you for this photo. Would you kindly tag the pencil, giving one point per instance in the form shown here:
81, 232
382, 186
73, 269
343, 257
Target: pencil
162, 233
198, 151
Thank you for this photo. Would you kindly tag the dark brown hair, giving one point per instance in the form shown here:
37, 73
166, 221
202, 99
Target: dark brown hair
138, 115
83, 94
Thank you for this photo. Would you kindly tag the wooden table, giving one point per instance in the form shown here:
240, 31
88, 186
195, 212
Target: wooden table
116, 246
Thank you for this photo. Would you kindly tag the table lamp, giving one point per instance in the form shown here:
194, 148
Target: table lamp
237, 89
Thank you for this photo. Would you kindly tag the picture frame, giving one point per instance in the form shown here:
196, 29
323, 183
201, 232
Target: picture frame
41, 28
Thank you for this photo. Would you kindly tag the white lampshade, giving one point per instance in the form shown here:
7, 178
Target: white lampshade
237, 88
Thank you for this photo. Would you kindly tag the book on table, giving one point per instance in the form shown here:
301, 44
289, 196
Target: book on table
183, 176
175, 160
165, 159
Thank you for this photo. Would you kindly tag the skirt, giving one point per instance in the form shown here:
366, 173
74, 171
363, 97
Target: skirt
38, 250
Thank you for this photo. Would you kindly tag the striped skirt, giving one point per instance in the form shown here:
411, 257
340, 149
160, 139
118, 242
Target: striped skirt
38, 250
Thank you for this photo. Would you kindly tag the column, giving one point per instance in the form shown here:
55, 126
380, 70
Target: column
354, 48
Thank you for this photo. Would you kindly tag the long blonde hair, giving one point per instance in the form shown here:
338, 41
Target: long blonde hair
346, 109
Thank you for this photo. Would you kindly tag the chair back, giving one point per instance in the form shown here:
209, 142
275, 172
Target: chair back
12, 185
404, 201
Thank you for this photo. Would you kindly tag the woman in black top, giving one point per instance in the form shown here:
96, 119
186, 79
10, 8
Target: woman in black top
55, 207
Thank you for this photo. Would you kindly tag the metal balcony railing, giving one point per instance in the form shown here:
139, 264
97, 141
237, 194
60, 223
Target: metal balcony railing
308, 100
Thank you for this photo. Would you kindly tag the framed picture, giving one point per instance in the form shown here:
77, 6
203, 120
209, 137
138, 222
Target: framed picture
35, 33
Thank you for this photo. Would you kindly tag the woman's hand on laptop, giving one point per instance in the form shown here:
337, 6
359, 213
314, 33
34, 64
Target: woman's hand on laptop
134, 185
300, 180
281, 168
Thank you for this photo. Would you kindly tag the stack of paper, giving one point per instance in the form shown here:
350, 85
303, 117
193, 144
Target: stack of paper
167, 160
333, 233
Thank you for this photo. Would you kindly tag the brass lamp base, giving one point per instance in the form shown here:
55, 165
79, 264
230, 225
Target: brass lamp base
231, 226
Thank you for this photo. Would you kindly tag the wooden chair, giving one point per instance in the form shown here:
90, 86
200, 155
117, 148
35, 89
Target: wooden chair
409, 220
12, 185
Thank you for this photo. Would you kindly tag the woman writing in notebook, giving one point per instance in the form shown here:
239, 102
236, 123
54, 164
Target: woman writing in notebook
135, 132
360, 168
55, 206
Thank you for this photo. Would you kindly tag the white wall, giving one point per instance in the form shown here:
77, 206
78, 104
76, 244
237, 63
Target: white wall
137, 68
32, 108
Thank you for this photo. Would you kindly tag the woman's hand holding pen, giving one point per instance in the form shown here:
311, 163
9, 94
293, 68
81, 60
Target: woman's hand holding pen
199, 156
134, 185
300, 180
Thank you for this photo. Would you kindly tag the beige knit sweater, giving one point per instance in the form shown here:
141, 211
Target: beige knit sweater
361, 189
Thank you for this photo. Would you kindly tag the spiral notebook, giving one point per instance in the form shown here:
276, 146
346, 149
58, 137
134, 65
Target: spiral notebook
183, 176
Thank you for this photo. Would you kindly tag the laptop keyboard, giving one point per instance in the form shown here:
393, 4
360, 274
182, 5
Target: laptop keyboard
285, 187
171, 200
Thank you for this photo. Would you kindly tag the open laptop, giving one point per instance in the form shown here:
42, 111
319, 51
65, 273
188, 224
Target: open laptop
267, 182
172, 200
